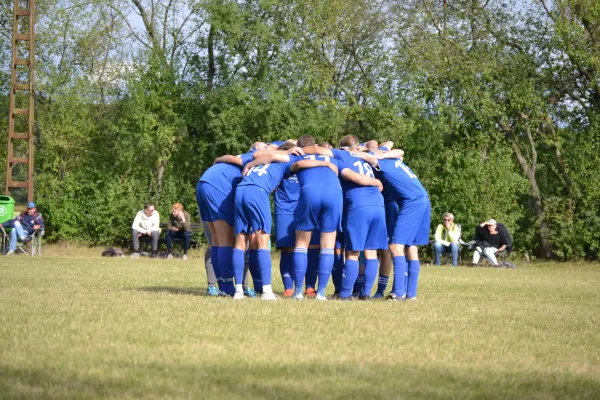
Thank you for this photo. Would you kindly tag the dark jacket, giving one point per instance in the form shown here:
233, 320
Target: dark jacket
484, 238
27, 222
174, 222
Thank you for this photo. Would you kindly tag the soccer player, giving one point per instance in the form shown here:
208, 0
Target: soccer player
215, 196
364, 217
253, 214
411, 227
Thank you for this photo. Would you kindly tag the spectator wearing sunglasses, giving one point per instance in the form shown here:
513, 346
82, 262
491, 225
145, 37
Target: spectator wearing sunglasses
447, 236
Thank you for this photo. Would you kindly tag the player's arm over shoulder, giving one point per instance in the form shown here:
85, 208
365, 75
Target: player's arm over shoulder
305, 164
229, 159
322, 151
360, 179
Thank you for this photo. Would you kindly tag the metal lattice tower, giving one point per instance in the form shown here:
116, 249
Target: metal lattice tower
21, 100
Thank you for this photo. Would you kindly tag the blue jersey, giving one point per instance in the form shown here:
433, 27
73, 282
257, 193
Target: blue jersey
357, 195
287, 195
267, 176
318, 175
225, 177
400, 180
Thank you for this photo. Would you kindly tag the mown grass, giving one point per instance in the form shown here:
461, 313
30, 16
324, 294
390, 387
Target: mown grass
88, 327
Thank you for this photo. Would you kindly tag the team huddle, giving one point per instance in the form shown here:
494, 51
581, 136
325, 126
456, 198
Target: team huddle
331, 206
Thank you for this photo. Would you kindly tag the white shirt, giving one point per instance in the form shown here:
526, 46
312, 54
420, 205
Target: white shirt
143, 223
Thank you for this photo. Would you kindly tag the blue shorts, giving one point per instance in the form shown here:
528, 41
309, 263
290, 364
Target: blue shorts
252, 210
391, 215
319, 207
214, 205
365, 229
412, 225
285, 232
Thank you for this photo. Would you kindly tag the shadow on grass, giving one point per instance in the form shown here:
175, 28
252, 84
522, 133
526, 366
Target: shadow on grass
291, 381
172, 290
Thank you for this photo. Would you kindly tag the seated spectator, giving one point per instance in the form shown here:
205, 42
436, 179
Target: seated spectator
23, 226
179, 226
490, 239
146, 223
447, 236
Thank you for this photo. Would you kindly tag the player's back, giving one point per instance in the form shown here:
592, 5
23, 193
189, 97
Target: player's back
357, 195
225, 177
318, 175
286, 197
400, 181
267, 176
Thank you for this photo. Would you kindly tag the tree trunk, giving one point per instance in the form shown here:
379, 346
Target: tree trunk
160, 177
211, 58
536, 203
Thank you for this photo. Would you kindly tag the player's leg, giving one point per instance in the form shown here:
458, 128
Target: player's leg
211, 277
350, 274
265, 263
355, 227
258, 210
300, 261
225, 234
208, 206
376, 239
338, 263
253, 267
305, 215
330, 219
385, 269
325, 262
241, 242
400, 271
421, 238
312, 269
285, 240
360, 280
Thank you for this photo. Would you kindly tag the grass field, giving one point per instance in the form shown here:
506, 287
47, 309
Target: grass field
80, 326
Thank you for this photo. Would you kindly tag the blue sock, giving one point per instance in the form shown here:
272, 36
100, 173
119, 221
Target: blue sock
414, 266
238, 265
264, 265
226, 266
300, 262
286, 268
382, 284
214, 258
360, 282
399, 276
371, 268
312, 268
254, 267
325, 267
338, 271
349, 278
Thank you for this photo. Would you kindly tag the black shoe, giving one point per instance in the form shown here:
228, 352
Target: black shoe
336, 296
393, 297
364, 298
154, 254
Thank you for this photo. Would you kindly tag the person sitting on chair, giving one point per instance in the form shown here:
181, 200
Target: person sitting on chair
490, 239
146, 222
23, 226
447, 236
179, 226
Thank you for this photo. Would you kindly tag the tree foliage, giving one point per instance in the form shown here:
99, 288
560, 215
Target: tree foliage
496, 103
